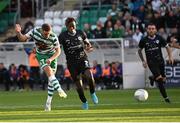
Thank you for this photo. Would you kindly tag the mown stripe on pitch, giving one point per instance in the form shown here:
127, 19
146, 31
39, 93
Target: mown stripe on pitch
61, 111
96, 119
92, 105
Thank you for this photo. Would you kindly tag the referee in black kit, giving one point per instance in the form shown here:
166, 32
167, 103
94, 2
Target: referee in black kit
152, 44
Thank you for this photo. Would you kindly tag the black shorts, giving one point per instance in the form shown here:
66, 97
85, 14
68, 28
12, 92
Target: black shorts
76, 68
157, 69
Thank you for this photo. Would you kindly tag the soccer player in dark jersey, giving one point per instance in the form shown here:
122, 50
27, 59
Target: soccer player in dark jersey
75, 45
152, 44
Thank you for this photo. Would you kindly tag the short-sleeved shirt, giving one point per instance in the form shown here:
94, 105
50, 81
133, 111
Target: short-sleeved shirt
73, 45
152, 48
44, 45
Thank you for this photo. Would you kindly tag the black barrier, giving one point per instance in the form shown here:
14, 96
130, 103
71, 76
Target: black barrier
173, 74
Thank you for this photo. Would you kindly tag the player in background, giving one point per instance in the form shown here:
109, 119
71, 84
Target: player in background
152, 44
173, 40
75, 45
47, 52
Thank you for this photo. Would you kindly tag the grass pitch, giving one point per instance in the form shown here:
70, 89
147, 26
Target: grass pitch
114, 105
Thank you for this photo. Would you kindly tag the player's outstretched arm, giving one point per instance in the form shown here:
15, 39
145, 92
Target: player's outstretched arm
142, 58
175, 45
20, 36
171, 60
88, 46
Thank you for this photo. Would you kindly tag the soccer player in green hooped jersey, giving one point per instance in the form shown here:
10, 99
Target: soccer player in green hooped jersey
47, 52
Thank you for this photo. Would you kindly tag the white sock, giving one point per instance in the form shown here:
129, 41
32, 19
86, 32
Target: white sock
49, 99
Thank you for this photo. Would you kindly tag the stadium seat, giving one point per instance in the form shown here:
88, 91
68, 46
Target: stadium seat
48, 14
93, 20
103, 13
75, 13
63, 21
48, 20
39, 22
57, 29
56, 14
102, 19
84, 20
57, 22
85, 13
66, 14
9, 17
93, 13
3, 26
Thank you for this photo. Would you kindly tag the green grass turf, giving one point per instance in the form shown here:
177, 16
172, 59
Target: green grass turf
114, 105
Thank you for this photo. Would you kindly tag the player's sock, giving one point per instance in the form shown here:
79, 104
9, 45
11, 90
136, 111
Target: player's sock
47, 107
81, 95
162, 88
49, 98
57, 86
50, 90
151, 79
92, 90
48, 104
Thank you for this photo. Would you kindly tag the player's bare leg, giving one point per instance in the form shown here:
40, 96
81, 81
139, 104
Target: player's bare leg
53, 84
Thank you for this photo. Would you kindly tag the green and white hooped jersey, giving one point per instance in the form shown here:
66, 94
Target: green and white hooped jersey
43, 45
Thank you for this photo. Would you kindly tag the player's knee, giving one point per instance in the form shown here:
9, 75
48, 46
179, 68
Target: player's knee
88, 74
160, 80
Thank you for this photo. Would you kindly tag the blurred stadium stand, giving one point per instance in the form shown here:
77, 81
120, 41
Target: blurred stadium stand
7, 18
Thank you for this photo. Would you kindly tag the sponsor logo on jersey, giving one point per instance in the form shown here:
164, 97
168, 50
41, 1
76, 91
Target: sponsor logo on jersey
79, 38
157, 41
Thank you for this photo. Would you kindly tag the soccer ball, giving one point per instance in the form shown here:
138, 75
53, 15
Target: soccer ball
141, 95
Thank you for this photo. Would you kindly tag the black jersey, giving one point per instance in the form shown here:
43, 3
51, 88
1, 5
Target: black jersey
153, 48
73, 45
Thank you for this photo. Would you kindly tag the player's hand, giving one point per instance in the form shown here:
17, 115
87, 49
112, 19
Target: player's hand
171, 60
88, 48
144, 64
17, 28
48, 61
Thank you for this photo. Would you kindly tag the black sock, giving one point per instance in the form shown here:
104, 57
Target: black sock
81, 95
162, 88
91, 85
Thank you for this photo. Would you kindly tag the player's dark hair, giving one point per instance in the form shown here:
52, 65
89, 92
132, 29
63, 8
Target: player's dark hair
69, 20
46, 27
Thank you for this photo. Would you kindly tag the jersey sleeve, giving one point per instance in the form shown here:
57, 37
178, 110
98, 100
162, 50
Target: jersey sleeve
141, 43
163, 42
29, 34
60, 38
56, 42
84, 36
